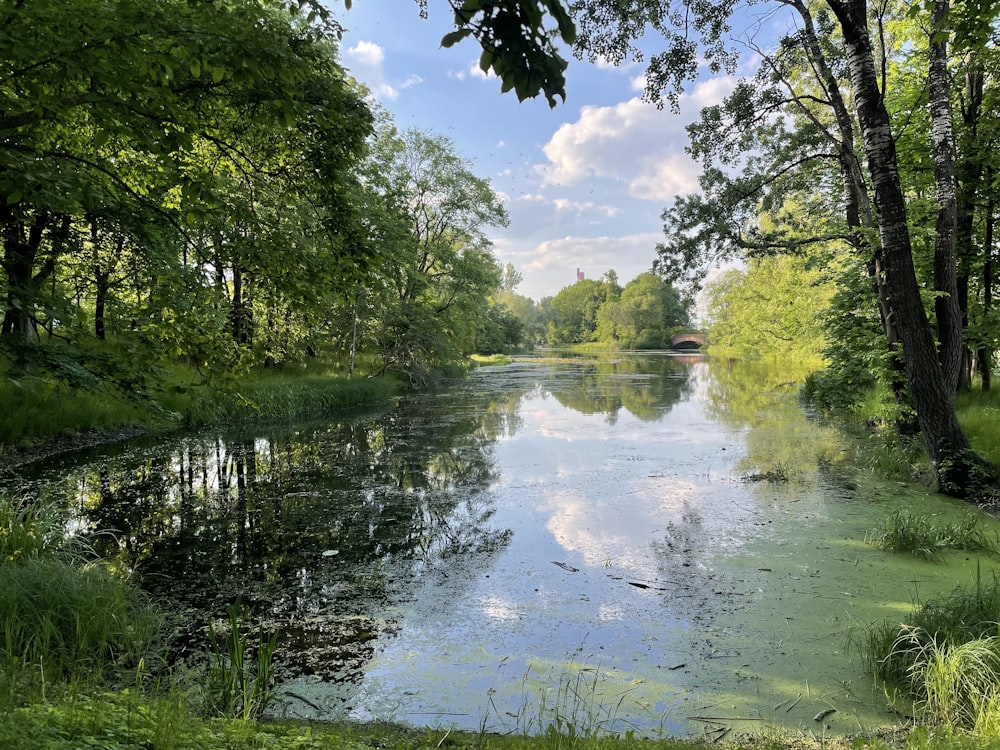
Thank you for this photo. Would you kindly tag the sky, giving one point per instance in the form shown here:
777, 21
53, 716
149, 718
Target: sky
584, 183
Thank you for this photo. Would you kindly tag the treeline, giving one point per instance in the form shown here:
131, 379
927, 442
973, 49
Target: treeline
203, 183
643, 314
864, 148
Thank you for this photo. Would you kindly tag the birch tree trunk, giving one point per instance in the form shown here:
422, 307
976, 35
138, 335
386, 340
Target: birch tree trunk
959, 471
946, 307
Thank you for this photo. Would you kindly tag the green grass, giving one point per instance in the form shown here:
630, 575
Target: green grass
63, 620
921, 536
277, 398
35, 409
945, 659
979, 415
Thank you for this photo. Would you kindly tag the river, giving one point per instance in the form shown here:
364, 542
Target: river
656, 542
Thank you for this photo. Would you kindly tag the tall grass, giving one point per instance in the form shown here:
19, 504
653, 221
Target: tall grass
920, 536
38, 409
29, 531
278, 399
62, 620
946, 658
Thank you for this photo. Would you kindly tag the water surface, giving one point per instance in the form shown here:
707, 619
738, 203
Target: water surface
648, 542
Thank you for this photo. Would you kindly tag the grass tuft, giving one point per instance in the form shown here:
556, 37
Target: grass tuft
919, 536
946, 659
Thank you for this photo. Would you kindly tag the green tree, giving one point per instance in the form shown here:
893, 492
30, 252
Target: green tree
575, 308
646, 314
436, 273
774, 308
155, 177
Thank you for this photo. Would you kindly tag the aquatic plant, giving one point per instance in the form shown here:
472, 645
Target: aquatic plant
240, 686
946, 658
29, 530
920, 536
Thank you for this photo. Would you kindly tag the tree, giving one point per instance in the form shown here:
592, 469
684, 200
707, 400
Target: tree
773, 308
646, 314
959, 470
428, 213
611, 28
155, 176
575, 309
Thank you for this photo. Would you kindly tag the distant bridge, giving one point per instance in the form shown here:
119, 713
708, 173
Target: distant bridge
688, 341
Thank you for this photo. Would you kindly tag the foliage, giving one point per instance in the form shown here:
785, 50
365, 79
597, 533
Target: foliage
516, 43
176, 196
239, 686
428, 296
773, 308
644, 316
979, 413
919, 535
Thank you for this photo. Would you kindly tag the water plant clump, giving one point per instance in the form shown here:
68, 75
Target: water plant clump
241, 681
946, 659
920, 536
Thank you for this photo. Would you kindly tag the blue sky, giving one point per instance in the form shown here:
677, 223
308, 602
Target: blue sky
584, 183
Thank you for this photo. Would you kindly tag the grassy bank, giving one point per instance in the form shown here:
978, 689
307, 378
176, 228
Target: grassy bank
37, 411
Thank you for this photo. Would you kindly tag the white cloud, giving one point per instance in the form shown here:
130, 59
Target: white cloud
476, 72
567, 206
587, 208
596, 254
632, 142
366, 61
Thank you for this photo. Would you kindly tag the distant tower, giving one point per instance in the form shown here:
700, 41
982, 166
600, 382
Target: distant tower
579, 275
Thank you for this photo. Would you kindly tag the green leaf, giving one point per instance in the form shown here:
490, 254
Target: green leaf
454, 37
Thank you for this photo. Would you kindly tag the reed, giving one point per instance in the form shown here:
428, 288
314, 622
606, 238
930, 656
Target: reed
240, 683
919, 535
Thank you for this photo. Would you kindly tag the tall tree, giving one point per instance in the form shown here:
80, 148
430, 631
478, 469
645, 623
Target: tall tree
436, 271
612, 28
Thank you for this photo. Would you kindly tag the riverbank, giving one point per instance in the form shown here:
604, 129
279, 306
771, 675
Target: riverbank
42, 420
170, 707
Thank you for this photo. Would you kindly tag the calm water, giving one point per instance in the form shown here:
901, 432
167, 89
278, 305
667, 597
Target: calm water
610, 542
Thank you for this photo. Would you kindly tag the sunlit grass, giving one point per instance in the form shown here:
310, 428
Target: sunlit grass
921, 536
979, 415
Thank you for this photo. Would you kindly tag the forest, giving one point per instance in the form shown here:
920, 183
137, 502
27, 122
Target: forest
184, 225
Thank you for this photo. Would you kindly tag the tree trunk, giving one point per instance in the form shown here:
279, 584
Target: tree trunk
985, 354
959, 471
857, 203
21, 244
969, 171
946, 303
